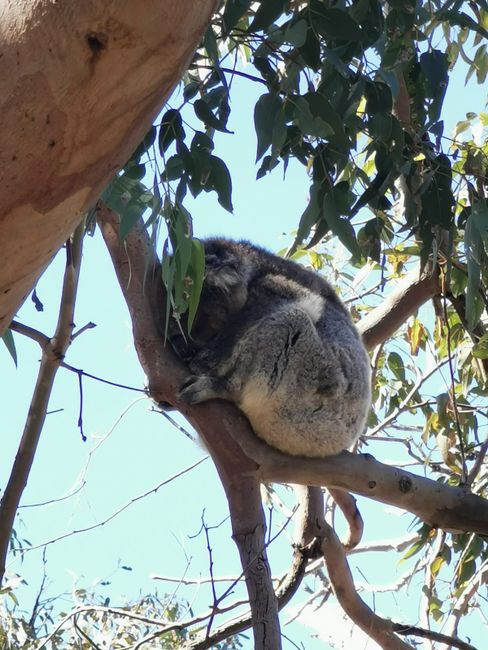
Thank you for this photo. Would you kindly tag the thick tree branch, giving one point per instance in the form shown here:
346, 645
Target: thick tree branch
69, 124
144, 296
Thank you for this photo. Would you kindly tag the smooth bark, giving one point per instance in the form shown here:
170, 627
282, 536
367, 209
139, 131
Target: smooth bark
81, 84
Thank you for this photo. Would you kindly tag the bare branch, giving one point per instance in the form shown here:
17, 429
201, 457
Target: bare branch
347, 504
462, 603
385, 319
450, 641
30, 332
52, 356
374, 626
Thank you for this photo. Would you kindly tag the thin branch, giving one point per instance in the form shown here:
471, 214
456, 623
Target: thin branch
462, 603
348, 505
83, 373
119, 510
52, 356
30, 332
374, 626
478, 463
451, 641
405, 403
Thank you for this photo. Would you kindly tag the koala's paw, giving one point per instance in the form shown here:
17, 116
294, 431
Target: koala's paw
197, 389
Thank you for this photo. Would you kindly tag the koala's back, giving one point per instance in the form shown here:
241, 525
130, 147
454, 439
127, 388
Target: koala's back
287, 353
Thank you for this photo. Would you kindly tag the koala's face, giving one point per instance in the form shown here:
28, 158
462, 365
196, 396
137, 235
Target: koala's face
224, 293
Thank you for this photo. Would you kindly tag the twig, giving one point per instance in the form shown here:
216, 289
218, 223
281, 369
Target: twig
450, 641
348, 505
119, 510
405, 404
83, 373
30, 332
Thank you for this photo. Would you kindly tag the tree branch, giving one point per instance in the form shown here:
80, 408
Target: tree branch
52, 356
385, 319
137, 270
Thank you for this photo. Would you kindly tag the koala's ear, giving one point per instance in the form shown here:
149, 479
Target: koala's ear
212, 261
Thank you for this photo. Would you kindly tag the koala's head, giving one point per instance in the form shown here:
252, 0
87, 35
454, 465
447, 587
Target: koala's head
224, 291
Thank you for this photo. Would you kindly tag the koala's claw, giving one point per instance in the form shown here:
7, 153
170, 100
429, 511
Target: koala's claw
196, 389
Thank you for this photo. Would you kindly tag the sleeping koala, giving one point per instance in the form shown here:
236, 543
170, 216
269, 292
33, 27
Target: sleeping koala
275, 339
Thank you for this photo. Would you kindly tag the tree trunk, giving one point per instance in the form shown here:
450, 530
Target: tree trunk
81, 84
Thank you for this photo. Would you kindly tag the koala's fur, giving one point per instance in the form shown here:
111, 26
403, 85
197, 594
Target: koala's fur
275, 339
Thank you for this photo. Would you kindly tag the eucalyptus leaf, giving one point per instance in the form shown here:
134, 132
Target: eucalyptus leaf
8, 339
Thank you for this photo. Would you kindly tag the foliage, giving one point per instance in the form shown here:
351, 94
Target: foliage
335, 77
93, 622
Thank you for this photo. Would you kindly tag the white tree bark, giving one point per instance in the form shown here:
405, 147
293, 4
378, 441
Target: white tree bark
81, 84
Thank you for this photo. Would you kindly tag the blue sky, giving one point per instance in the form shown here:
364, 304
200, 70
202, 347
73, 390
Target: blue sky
158, 534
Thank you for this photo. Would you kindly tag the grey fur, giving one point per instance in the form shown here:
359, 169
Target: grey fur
275, 339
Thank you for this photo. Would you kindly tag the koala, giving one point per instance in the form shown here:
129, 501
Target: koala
274, 338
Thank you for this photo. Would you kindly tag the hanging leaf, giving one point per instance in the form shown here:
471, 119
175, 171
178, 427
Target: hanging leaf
171, 129
266, 14
336, 203
234, 10
205, 114
219, 180
8, 339
196, 272
476, 247
265, 112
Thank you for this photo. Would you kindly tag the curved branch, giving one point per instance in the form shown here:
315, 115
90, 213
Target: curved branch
379, 629
348, 506
384, 320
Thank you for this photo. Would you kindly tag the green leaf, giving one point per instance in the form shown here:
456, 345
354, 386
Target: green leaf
234, 10
266, 14
265, 112
146, 143
337, 24
378, 97
437, 199
308, 124
480, 349
173, 169
196, 271
219, 180
135, 172
396, 365
191, 90
311, 214
435, 65
205, 114
8, 339
171, 129
336, 203
475, 246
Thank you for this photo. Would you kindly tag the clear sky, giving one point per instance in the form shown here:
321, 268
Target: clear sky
131, 449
